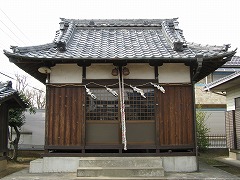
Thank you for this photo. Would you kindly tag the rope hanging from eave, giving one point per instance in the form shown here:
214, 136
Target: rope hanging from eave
122, 107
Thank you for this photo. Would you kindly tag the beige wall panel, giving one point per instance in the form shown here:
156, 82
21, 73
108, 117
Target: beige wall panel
66, 73
231, 95
174, 73
140, 71
100, 71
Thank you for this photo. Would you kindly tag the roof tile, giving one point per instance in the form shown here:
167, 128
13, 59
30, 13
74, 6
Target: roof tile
123, 39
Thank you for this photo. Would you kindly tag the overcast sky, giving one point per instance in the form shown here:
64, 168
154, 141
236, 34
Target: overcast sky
34, 22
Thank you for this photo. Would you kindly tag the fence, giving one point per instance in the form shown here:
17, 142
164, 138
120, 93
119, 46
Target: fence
217, 141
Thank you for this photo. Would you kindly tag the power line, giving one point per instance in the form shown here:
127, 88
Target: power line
9, 36
16, 26
1, 47
7, 76
16, 80
12, 31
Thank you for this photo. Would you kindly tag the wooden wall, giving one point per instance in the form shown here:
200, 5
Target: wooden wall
3, 129
174, 116
64, 116
65, 125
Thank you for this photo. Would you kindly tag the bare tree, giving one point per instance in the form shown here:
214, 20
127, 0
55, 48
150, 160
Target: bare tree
35, 96
32, 97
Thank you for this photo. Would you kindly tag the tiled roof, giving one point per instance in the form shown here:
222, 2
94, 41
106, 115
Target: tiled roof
119, 39
6, 91
153, 41
235, 62
222, 80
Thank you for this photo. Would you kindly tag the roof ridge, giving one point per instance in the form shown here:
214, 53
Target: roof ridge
23, 49
224, 47
117, 22
174, 38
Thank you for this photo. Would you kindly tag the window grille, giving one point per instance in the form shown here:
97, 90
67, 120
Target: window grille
106, 106
237, 103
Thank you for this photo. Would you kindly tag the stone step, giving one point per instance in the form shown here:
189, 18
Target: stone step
120, 172
118, 178
120, 162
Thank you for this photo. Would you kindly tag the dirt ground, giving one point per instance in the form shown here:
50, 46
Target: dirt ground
23, 162
208, 157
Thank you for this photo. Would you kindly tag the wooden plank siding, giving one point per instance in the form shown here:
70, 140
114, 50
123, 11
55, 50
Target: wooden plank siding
3, 129
174, 116
65, 114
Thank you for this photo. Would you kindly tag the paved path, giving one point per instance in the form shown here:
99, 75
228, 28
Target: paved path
206, 172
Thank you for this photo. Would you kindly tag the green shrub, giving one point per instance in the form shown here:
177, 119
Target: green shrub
202, 130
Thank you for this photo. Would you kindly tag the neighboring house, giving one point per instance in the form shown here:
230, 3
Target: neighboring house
215, 103
230, 86
9, 98
122, 87
33, 131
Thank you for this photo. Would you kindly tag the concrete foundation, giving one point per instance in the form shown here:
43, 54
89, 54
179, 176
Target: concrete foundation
3, 164
54, 164
71, 164
180, 164
234, 155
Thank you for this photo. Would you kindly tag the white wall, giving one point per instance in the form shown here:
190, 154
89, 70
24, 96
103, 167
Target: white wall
232, 93
140, 71
66, 73
216, 121
100, 71
174, 73
104, 71
33, 131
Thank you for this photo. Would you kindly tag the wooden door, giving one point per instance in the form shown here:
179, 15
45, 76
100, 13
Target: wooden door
103, 120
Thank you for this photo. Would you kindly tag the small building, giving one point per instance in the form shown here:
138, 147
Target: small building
229, 86
9, 98
121, 87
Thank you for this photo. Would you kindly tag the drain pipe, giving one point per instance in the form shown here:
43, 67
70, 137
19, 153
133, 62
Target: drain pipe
199, 67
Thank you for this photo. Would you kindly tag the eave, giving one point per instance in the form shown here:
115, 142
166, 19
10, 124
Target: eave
31, 65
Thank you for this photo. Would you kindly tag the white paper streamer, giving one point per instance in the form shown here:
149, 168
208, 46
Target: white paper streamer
90, 93
158, 87
138, 91
114, 93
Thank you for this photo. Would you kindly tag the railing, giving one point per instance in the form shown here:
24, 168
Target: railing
217, 141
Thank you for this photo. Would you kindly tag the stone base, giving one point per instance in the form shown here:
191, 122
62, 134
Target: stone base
54, 164
71, 164
3, 164
234, 154
180, 164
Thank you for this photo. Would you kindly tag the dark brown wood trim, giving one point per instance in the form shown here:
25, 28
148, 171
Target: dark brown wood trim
161, 154
234, 130
157, 124
211, 105
134, 82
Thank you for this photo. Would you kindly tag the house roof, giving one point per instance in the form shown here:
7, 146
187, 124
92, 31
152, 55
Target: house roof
10, 95
224, 83
234, 63
136, 40
231, 66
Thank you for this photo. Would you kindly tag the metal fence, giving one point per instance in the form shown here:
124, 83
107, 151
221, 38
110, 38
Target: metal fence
217, 141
